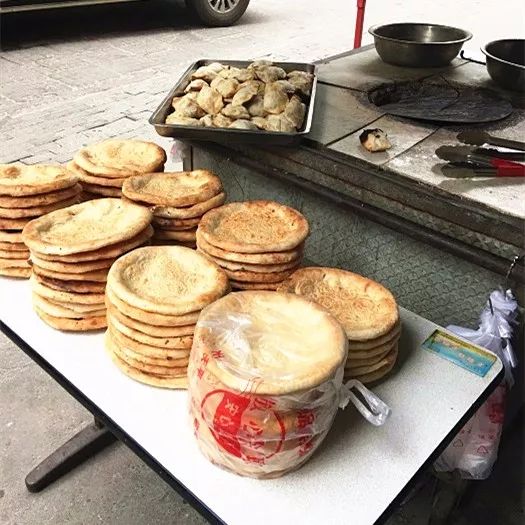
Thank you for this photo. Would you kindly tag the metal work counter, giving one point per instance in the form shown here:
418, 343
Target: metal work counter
440, 244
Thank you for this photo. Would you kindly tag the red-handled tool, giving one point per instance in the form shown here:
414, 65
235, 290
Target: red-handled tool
478, 164
507, 168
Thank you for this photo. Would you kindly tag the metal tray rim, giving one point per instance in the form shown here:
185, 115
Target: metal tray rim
224, 132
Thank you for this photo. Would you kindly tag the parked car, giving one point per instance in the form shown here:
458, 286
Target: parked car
210, 12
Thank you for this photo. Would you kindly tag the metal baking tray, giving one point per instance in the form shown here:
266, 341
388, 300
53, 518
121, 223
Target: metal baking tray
226, 135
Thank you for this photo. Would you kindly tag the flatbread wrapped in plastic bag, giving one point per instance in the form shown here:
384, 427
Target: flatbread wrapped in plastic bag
266, 380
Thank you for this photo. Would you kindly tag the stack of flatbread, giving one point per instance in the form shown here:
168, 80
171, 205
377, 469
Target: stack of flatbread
264, 379
27, 192
367, 311
257, 243
177, 200
154, 297
71, 252
103, 167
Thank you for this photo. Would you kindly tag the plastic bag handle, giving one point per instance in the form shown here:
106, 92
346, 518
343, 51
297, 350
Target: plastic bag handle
377, 411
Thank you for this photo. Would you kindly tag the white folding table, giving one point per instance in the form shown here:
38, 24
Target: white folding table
360, 473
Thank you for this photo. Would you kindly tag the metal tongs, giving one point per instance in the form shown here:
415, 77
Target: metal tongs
466, 161
481, 138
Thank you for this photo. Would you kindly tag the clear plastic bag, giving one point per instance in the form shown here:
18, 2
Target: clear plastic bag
474, 450
258, 434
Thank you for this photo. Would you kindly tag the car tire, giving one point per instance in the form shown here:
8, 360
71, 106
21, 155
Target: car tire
218, 12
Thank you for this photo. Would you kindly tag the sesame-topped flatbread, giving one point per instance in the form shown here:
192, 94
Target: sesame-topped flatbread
113, 251
283, 344
170, 280
197, 210
365, 308
283, 257
121, 158
86, 227
19, 180
184, 188
254, 227
42, 199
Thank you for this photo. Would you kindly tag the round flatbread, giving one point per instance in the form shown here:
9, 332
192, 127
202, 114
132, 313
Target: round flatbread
21, 273
180, 342
66, 297
367, 368
170, 362
77, 267
148, 379
98, 276
279, 350
121, 158
171, 280
105, 191
13, 246
144, 349
365, 308
184, 188
150, 317
19, 213
56, 310
149, 329
254, 227
252, 277
44, 199
83, 310
19, 180
176, 224
372, 353
353, 362
170, 370
72, 325
13, 224
86, 227
253, 286
253, 268
11, 236
183, 236
197, 210
84, 177
14, 254
86, 287
252, 258
372, 377
108, 252
14, 263
378, 342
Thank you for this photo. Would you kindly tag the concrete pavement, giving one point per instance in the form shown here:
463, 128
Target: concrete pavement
78, 76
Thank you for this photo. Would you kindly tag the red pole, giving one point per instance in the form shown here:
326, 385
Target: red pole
360, 19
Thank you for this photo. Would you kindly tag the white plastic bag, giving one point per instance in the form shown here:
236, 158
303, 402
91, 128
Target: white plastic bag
474, 450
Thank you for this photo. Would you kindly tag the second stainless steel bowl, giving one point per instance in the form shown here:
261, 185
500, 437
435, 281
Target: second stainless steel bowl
418, 45
506, 63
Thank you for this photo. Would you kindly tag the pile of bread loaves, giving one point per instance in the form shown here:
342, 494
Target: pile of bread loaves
262, 96
177, 200
258, 244
71, 251
27, 192
367, 311
102, 168
154, 296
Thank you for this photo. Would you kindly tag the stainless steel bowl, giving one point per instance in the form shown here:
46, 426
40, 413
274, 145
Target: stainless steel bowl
418, 45
506, 63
